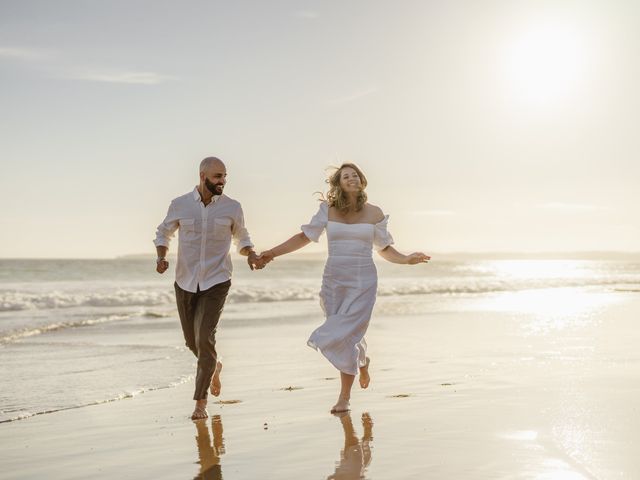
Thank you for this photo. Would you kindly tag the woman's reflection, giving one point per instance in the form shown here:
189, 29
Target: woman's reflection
209, 453
356, 454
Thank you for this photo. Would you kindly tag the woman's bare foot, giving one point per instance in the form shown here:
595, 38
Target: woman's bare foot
364, 374
367, 424
200, 411
341, 406
216, 385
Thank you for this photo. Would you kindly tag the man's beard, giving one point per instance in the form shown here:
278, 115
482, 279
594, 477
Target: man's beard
215, 189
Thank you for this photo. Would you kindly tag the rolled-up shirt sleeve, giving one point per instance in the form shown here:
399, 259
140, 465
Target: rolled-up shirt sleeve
240, 234
167, 228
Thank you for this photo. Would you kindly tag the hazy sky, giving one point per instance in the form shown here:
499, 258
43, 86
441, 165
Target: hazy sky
482, 125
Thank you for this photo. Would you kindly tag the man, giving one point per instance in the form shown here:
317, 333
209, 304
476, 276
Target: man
207, 221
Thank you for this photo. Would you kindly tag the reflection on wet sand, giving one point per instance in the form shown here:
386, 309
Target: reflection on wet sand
355, 457
209, 453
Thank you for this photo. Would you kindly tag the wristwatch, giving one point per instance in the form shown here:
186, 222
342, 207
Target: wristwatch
160, 259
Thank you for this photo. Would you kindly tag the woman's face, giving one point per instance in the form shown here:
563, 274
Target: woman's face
350, 180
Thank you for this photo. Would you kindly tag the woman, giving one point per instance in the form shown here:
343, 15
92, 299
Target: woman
350, 279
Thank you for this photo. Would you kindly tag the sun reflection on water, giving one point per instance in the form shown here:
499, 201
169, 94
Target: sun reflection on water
549, 302
538, 269
552, 308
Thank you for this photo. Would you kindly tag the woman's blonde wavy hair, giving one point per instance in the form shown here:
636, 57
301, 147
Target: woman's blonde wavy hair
336, 196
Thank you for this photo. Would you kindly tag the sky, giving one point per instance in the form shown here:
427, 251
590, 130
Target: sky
482, 126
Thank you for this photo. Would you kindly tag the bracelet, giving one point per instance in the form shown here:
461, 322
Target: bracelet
160, 259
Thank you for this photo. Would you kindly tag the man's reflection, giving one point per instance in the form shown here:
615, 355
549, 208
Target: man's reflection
356, 454
209, 453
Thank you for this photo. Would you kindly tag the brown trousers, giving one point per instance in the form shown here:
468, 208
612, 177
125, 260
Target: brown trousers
199, 315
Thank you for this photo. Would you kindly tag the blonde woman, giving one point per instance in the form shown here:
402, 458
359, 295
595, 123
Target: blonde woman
350, 279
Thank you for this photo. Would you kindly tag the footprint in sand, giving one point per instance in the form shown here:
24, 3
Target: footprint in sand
291, 388
227, 402
330, 378
400, 395
447, 384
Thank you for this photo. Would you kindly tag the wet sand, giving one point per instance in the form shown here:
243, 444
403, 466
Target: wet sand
491, 387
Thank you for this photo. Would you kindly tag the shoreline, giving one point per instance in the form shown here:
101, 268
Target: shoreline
523, 394
320, 254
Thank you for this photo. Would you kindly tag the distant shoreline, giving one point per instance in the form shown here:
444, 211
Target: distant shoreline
585, 255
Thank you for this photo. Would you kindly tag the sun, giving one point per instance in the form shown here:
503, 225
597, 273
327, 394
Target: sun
545, 64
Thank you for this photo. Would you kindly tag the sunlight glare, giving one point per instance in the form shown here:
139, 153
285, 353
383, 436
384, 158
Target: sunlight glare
545, 64
538, 269
543, 289
559, 306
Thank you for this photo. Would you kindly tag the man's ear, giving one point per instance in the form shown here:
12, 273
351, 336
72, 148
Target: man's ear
201, 176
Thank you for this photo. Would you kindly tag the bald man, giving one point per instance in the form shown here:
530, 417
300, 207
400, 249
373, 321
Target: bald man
207, 221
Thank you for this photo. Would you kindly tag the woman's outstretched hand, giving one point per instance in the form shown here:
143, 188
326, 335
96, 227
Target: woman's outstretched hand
417, 257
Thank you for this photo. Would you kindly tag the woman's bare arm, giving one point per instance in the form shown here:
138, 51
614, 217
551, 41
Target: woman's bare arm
390, 254
296, 242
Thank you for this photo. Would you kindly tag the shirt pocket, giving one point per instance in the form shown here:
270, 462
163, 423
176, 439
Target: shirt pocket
221, 228
188, 228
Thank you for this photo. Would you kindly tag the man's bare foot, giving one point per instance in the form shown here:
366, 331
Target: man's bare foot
341, 406
216, 385
200, 411
364, 374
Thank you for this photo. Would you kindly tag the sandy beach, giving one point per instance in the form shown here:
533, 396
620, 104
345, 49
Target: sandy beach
479, 387
455, 182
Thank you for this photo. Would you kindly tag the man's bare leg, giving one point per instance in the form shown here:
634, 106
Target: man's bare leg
200, 411
216, 385
364, 374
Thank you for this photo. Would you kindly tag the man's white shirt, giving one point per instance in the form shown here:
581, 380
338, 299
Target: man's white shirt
204, 238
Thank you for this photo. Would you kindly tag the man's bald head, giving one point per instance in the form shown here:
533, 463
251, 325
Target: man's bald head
209, 162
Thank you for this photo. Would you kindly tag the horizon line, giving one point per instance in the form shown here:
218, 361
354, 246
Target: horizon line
462, 253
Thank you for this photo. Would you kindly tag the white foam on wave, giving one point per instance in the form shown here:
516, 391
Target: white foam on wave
28, 332
21, 415
446, 286
266, 295
12, 300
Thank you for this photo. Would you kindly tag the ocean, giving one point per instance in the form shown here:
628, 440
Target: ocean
75, 333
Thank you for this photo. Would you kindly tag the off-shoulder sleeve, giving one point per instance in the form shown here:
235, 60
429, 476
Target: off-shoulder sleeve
318, 223
381, 236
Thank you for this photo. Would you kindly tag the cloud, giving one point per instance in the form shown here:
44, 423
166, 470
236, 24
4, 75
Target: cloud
128, 77
569, 207
78, 72
354, 96
21, 53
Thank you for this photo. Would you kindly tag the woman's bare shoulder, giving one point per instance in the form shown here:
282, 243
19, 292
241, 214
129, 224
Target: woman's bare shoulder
374, 212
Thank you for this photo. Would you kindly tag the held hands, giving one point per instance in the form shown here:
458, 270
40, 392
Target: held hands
161, 265
258, 262
267, 256
417, 257
252, 260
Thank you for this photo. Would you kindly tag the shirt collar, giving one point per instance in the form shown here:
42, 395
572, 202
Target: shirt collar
196, 196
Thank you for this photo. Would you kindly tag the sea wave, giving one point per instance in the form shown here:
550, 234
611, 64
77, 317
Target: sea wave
22, 414
14, 335
15, 301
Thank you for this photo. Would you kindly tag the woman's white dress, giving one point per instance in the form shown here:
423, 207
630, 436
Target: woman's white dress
349, 285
